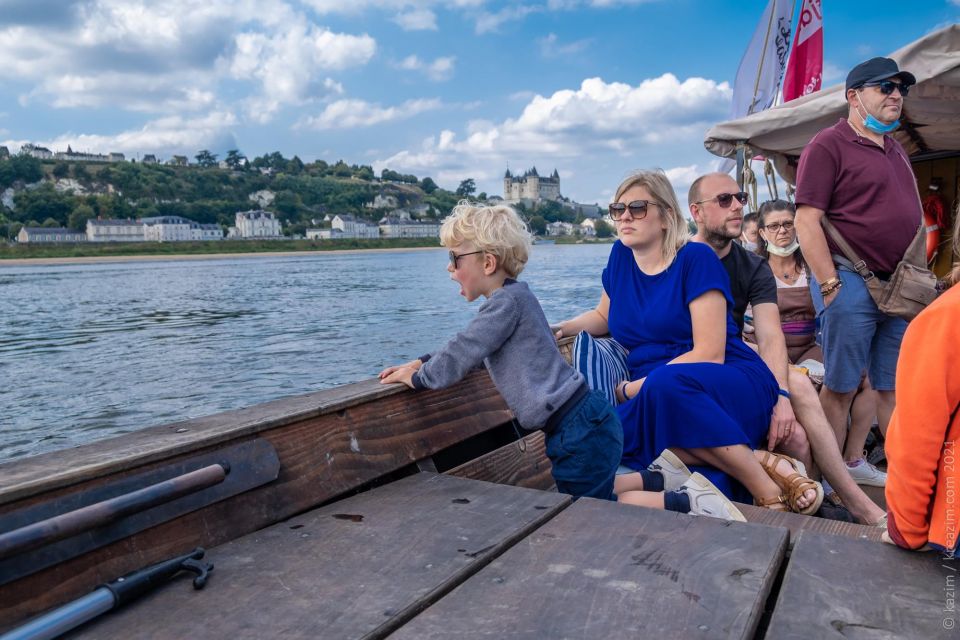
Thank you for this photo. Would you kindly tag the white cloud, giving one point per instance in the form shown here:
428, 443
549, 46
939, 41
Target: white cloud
551, 48
350, 114
172, 56
597, 118
164, 136
417, 20
439, 70
285, 63
487, 22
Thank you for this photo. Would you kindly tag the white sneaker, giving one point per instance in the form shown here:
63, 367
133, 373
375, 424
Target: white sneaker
674, 472
706, 500
867, 474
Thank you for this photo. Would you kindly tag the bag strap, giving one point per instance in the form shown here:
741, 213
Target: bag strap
916, 253
858, 264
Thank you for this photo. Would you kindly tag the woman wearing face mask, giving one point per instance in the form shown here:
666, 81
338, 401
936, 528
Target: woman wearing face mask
777, 243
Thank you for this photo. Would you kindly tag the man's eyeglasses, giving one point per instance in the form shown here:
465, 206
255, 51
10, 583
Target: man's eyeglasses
726, 199
455, 257
776, 226
887, 87
637, 209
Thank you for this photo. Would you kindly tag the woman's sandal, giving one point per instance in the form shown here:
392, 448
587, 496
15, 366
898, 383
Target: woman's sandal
778, 503
793, 486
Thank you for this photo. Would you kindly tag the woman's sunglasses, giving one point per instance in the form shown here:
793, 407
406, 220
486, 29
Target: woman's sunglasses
887, 87
637, 209
726, 199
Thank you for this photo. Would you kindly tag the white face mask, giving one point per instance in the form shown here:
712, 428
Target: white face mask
783, 252
749, 246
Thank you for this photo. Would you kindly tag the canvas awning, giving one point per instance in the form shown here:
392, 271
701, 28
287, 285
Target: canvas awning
931, 114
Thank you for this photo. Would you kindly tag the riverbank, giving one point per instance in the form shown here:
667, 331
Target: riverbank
122, 252
20, 255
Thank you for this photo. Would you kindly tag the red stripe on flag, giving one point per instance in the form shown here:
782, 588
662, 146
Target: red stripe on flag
805, 68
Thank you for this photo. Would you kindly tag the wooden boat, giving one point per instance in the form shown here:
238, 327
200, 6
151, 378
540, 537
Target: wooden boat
366, 511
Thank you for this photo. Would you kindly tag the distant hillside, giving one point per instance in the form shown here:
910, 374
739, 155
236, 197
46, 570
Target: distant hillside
49, 193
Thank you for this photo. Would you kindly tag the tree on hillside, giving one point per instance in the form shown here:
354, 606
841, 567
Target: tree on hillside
235, 160
467, 188
80, 172
342, 169
428, 185
206, 159
78, 218
482, 196
295, 166
364, 172
604, 230
538, 225
61, 170
20, 167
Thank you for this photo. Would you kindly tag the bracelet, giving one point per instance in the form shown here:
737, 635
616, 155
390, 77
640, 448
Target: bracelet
827, 291
829, 285
784, 393
623, 390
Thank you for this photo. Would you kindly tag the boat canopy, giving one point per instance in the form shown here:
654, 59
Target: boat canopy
930, 119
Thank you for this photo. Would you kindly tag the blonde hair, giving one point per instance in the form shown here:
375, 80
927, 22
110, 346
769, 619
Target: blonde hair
658, 185
496, 230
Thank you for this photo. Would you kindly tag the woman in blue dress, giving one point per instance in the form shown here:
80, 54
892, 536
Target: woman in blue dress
697, 395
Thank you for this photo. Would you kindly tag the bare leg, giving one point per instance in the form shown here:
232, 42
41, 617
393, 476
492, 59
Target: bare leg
862, 413
836, 407
743, 464
651, 499
797, 446
627, 482
823, 443
886, 401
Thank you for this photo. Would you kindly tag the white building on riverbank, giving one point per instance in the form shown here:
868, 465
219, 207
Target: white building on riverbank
47, 235
115, 230
397, 227
178, 229
256, 224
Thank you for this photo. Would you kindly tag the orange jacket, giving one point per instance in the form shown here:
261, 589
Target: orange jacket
923, 444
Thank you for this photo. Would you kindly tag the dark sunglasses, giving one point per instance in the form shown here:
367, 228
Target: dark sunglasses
776, 226
637, 209
726, 199
454, 257
887, 87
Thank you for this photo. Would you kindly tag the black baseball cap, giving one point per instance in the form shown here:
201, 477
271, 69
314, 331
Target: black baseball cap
875, 70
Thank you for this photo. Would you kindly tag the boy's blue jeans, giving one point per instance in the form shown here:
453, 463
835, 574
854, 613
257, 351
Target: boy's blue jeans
585, 449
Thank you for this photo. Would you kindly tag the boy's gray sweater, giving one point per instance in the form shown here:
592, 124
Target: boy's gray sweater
510, 335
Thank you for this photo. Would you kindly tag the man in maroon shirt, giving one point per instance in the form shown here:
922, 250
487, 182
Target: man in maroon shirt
860, 178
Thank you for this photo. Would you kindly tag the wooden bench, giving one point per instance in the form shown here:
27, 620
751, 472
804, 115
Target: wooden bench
357, 568
835, 587
603, 570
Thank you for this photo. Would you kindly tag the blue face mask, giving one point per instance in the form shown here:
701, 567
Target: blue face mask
873, 124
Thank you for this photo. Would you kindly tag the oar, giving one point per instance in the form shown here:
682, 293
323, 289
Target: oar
111, 596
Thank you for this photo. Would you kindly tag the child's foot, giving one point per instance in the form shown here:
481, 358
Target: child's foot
802, 494
674, 472
706, 499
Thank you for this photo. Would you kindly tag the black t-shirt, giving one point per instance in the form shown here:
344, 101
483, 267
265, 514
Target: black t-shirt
751, 280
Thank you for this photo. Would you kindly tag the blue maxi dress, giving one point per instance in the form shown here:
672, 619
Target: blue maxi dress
683, 405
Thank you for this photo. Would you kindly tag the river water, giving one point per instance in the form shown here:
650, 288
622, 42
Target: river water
93, 350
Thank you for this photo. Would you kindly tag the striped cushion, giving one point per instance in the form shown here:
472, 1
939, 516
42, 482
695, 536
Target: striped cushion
602, 361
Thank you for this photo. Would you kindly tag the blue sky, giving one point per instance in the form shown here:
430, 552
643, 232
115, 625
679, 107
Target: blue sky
450, 90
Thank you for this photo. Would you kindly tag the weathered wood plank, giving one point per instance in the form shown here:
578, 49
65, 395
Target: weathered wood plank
321, 458
835, 587
603, 570
523, 463
796, 523
357, 568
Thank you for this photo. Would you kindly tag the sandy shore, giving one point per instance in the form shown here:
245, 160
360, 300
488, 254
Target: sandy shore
15, 262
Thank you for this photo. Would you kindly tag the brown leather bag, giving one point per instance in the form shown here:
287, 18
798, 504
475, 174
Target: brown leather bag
911, 287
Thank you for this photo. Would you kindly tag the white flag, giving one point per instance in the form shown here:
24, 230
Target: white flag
761, 68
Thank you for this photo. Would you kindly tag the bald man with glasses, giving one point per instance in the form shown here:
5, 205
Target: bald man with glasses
798, 426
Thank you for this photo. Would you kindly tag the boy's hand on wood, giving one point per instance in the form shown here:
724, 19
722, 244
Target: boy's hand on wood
402, 374
413, 364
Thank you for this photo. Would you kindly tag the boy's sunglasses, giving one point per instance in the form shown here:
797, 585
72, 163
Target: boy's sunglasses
637, 209
726, 199
887, 87
454, 257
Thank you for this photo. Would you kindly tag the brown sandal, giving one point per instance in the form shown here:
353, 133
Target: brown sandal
778, 503
794, 485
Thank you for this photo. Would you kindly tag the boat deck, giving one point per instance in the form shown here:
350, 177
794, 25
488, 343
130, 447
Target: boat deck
437, 556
